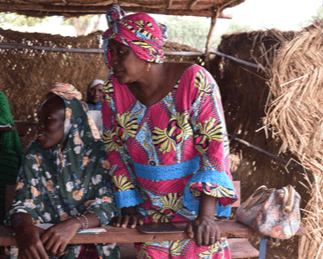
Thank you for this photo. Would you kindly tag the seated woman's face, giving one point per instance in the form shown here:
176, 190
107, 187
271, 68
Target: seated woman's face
96, 93
51, 123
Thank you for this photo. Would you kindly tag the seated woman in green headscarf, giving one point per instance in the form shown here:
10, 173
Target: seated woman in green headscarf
64, 181
11, 152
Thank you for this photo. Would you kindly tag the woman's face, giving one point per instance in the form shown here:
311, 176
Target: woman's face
127, 66
96, 93
51, 123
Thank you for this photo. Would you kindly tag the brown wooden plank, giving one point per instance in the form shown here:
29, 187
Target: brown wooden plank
241, 248
230, 229
83, 10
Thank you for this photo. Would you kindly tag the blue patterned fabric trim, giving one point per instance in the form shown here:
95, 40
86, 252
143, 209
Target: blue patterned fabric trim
128, 198
167, 172
222, 211
214, 177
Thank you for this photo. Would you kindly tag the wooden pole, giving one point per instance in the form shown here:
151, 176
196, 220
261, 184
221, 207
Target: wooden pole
170, 2
192, 4
209, 37
281, 160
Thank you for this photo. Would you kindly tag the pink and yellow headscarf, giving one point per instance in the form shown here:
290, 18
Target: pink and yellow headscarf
140, 32
66, 91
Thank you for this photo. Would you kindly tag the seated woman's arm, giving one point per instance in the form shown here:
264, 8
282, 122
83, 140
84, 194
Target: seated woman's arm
28, 237
56, 238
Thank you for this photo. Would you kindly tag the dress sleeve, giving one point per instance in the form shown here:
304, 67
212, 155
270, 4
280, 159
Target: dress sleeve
211, 140
102, 202
126, 192
27, 197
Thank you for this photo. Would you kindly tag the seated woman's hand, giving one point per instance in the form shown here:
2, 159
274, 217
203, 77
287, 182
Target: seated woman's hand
204, 230
29, 243
56, 238
130, 217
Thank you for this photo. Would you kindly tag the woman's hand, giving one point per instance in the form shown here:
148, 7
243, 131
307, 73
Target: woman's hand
28, 237
204, 230
130, 217
56, 238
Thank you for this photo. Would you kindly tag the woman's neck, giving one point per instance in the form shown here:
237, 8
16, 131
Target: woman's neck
149, 87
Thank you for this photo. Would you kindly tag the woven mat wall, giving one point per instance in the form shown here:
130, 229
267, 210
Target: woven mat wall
26, 75
244, 93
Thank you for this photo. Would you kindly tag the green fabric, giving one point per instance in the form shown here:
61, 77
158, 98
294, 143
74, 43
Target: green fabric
11, 152
53, 185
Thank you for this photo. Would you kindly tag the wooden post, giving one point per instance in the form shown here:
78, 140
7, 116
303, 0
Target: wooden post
170, 2
209, 37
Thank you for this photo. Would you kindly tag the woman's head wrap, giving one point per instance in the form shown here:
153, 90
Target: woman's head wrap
142, 33
66, 91
91, 85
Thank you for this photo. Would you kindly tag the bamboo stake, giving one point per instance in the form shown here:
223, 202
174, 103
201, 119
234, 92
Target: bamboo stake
209, 36
192, 4
101, 51
281, 160
169, 3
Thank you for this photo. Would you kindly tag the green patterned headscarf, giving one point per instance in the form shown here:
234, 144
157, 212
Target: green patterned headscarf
53, 185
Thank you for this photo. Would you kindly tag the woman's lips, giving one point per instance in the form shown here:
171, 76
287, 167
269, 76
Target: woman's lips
117, 73
40, 136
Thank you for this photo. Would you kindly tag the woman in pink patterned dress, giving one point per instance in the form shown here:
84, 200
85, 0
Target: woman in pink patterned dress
166, 139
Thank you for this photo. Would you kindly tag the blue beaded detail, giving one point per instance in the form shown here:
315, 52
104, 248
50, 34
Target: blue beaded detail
214, 177
128, 198
167, 172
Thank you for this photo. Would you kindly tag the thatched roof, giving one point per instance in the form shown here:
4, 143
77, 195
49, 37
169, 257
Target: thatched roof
68, 8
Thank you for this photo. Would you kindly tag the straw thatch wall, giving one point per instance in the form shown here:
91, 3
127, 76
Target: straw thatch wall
26, 75
244, 93
295, 114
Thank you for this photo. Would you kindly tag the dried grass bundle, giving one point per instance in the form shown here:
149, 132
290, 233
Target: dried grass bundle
295, 113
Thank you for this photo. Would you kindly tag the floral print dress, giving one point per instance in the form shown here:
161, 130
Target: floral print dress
55, 185
165, 155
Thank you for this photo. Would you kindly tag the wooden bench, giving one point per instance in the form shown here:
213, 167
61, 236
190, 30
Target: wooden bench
236, 233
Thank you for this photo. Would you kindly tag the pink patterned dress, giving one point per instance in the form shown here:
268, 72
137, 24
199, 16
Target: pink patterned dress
165, 155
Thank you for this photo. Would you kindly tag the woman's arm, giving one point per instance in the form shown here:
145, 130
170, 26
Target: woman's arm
212, 184
56, 238
204, 228
28, 237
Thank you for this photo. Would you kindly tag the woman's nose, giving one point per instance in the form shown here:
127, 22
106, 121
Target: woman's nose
113, 59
